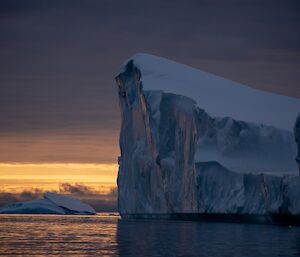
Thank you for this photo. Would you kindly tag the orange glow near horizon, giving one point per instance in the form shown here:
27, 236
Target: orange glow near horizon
16, 177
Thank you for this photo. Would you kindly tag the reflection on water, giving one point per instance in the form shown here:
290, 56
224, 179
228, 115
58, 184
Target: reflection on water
46, 235
101, 235
175, 238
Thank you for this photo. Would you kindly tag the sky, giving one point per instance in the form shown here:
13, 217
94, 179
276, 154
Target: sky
58, 60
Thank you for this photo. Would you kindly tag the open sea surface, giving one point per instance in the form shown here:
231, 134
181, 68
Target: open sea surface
108, 235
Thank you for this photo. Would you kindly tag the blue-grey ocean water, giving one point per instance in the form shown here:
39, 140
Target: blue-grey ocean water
106, 235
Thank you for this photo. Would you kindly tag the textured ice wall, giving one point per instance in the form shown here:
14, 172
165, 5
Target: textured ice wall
140, 185
175, 158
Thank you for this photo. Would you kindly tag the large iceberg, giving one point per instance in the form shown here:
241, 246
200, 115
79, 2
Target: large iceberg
194, 143
52, 203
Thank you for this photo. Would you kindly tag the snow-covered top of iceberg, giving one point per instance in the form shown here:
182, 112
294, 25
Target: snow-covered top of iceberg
52, 203
69, 203
218, 96
38, 206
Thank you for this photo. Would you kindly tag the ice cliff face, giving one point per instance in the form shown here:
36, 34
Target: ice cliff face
178, 157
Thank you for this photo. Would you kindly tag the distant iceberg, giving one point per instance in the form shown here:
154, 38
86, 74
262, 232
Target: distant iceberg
194, 143
52, 203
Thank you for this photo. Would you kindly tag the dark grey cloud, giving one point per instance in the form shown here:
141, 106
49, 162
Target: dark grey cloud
58, 58
77, 189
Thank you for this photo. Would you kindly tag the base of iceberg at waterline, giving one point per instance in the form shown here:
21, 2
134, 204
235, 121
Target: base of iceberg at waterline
274, 219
